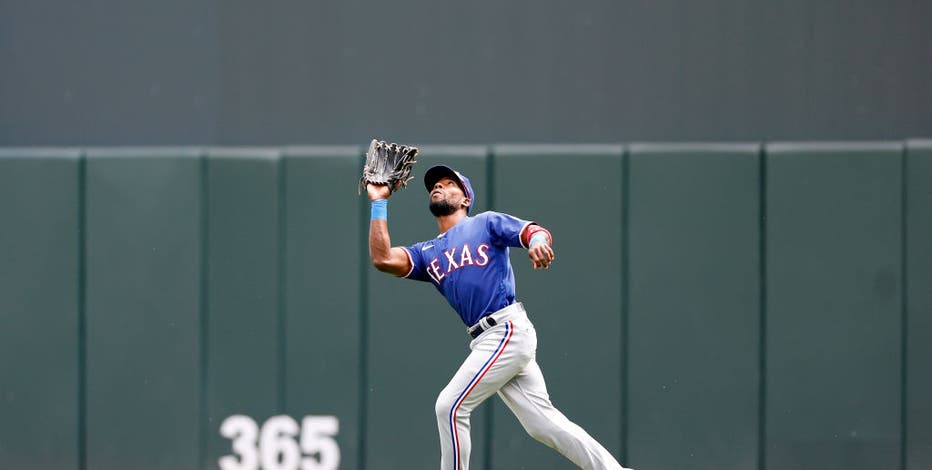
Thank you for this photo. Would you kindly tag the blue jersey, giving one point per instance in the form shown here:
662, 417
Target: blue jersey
469, 263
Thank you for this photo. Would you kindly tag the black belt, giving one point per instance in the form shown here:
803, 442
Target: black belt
478, 331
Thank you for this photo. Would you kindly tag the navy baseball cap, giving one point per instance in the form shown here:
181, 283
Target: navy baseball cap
435, 173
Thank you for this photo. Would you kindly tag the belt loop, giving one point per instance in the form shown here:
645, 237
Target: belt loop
484, 322
490, 320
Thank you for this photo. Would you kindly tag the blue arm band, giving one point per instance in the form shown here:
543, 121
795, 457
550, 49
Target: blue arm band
539, 237
379, 209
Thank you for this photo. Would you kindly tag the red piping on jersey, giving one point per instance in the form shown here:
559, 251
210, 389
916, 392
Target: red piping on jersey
410, 260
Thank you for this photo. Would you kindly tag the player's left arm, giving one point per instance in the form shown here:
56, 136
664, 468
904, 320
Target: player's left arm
386, 258
539, 245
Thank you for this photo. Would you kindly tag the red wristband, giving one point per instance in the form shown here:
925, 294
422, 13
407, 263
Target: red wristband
533, 229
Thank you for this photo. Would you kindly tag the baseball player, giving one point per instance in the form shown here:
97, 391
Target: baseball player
468, 263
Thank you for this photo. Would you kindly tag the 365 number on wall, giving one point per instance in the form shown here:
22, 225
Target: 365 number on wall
280, 444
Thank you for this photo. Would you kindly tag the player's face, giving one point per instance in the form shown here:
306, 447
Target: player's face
446, 197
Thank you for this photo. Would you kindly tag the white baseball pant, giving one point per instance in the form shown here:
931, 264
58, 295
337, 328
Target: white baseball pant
503, 361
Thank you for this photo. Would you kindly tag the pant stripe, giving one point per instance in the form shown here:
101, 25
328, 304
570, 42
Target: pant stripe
472, 384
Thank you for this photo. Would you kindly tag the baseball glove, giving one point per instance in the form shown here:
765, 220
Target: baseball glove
389, 164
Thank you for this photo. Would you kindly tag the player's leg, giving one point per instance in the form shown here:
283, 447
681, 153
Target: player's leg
526, 396
497, 355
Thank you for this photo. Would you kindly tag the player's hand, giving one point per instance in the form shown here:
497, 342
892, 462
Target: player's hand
541, 255
378, 191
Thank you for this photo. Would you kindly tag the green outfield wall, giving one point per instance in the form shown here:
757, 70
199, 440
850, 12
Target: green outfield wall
712, 306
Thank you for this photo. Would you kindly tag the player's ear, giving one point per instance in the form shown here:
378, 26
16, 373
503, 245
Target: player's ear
467, 202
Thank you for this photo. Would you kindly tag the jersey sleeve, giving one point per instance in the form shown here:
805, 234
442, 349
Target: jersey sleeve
505, 229
418, 270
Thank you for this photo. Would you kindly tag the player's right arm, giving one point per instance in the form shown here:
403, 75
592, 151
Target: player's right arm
385, 257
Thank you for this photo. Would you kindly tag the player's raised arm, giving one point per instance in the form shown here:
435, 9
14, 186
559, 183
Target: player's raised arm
385, 258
